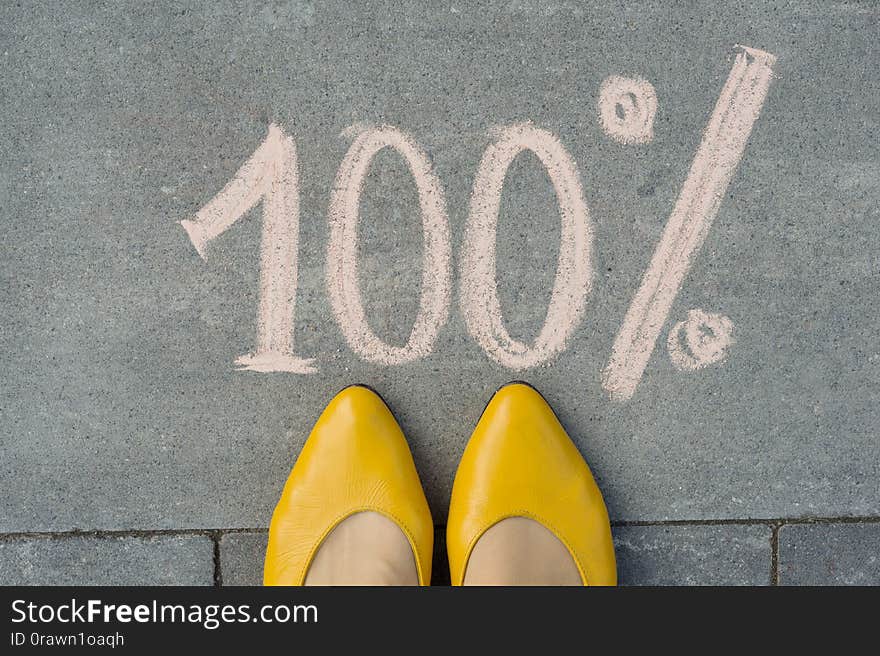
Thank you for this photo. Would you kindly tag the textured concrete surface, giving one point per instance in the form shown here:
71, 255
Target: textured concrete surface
241, 558
693, 555
829, 554
86, 560
120, 407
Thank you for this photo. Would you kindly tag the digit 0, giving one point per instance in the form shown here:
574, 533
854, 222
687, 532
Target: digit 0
479, 289
342, 278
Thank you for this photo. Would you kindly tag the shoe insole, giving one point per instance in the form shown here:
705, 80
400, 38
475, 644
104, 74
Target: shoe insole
520, 551
366, 548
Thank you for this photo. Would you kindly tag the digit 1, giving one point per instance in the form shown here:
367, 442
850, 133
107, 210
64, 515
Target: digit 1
479, 290
269, 175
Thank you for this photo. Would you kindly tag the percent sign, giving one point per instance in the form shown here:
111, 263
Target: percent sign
270, 175
717, 157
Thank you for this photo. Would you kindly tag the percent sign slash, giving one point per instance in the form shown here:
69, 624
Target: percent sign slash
714, 165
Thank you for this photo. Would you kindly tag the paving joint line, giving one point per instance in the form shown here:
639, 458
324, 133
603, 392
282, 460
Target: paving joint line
774, 554
110, 533
218, 573
774, 521
217, 533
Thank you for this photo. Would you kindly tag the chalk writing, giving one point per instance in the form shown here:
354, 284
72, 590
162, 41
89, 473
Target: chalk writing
626, 108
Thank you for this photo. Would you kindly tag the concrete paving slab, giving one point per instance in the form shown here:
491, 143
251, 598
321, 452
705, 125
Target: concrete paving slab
121, 404
88, 560
693, 555
829, 554
241, 558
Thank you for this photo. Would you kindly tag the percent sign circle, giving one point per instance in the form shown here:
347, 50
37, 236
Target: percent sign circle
713, 167
707, 337
627, 107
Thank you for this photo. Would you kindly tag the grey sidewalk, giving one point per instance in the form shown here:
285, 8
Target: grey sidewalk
133, 448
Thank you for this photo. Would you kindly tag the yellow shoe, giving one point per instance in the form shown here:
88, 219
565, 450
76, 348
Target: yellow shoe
519, 463
356, 460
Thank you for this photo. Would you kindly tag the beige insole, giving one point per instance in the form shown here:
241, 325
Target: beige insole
364, 549
520, 551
